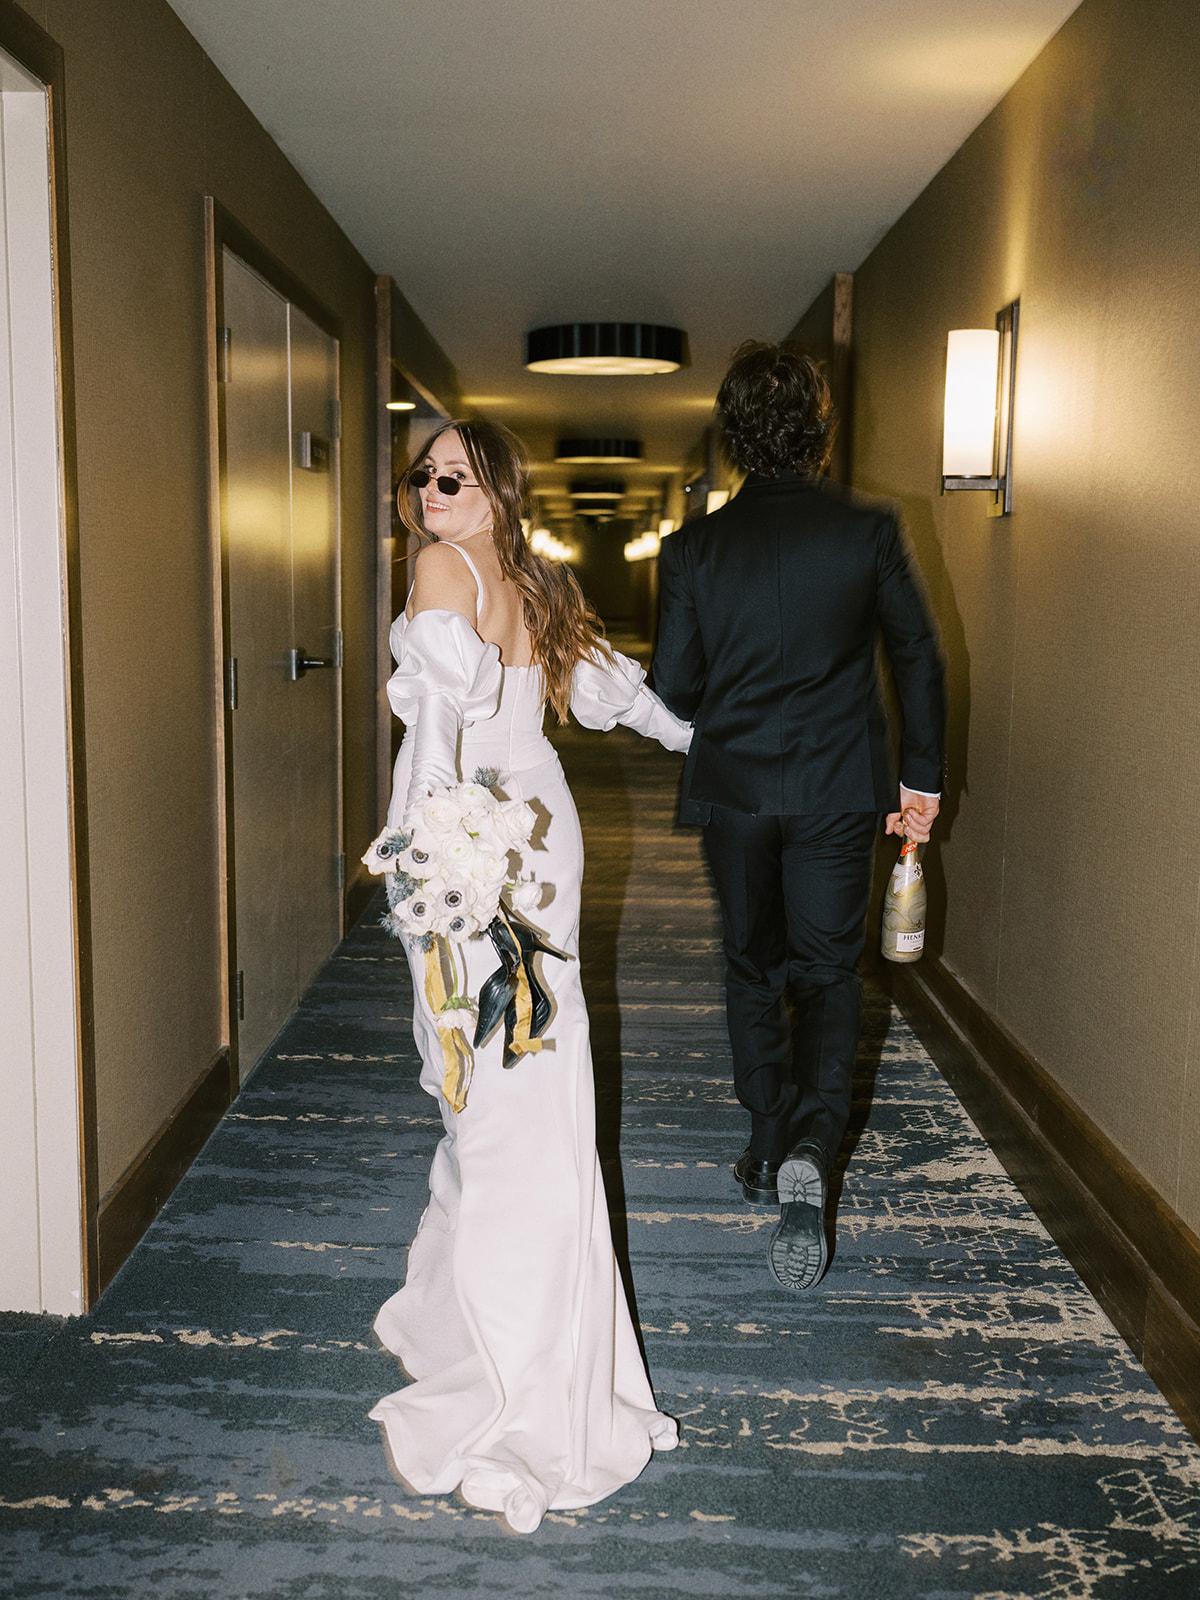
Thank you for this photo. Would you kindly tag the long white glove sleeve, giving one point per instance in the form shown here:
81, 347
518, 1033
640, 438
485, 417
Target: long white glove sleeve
435, 747
445, 677
648, 716
606, 691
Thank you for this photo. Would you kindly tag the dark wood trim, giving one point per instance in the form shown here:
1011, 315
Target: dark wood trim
29, 44
220, 609
134, 1201
384, 551
1134, 1253
227, 230
219, 520
42, 56
841, 373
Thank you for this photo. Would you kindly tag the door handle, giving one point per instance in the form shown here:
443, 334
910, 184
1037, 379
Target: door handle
300, 662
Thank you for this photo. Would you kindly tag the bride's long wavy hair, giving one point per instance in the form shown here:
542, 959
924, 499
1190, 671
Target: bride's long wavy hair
563, 627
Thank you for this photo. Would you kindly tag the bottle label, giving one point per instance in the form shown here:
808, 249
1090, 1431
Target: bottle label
910, 939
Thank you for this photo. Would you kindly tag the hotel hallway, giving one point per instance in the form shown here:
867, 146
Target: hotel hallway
949, 1414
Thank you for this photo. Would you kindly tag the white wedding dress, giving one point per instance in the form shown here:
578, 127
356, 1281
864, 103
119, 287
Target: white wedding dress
529, 1392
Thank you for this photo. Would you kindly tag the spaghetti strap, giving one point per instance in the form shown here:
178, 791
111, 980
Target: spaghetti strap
474, 572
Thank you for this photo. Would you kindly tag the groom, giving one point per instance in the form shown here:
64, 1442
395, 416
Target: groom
771, 609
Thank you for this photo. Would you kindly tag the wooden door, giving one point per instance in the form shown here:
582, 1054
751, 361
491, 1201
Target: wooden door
279, 472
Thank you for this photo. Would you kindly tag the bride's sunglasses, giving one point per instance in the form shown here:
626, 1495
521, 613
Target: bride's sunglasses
447, 486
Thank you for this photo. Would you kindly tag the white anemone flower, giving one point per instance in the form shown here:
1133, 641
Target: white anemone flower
415, 915
420, 859
454, 910
384, 851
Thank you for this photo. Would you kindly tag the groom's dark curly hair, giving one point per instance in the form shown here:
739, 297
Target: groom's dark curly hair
776, 411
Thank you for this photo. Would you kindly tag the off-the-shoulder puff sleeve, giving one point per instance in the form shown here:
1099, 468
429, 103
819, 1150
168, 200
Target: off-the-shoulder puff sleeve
439, 653
605, 691
445, 676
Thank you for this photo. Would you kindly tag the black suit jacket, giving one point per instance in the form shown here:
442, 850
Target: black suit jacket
770, 613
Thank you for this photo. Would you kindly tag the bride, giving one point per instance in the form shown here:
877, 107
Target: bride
528, 1390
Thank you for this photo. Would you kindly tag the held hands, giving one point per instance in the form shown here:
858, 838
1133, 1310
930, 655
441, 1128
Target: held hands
915, 816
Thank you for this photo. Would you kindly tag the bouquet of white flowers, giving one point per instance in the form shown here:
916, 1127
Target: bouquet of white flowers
446, 870
448, 864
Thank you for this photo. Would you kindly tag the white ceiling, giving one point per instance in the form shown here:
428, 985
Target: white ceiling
702, 163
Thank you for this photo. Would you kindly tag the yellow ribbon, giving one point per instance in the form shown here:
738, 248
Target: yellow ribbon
457, 1054
521, 1044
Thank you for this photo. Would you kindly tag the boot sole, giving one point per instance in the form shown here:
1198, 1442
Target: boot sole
798, 1253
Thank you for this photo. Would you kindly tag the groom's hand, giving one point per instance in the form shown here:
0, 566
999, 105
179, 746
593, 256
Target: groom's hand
915, 816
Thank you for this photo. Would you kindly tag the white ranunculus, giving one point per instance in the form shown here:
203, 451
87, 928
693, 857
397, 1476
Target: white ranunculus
442, 812
525, 896
487, 838
475, 800
491, 868
457, 852
515, 822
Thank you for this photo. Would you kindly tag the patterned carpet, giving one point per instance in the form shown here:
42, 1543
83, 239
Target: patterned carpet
948, 1415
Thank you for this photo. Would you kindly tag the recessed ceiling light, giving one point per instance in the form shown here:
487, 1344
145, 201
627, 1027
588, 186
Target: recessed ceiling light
589, 452
605, 349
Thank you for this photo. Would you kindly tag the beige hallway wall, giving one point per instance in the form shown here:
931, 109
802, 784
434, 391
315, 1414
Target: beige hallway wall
1067, 875
151, 128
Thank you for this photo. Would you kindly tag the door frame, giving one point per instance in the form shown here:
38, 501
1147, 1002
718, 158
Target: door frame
42, 57
223, 231
390, 372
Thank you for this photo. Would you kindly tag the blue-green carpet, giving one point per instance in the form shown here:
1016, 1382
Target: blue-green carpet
949, 1414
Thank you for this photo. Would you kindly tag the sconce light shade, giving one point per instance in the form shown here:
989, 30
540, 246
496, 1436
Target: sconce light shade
969, 439
981, 369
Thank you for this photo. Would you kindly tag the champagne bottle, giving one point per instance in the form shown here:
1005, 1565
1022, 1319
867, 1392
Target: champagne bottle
904, 908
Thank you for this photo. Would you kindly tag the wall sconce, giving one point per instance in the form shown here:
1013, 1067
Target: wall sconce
643, 547
545, 544
981, 368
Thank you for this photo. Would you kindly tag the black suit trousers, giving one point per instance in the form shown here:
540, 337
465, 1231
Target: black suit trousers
793, 892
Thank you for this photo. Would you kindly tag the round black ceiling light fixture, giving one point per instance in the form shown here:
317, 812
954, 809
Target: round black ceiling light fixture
594, 452
605, 349
596, 489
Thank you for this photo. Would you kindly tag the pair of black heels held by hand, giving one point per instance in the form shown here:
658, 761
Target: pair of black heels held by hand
798, 1252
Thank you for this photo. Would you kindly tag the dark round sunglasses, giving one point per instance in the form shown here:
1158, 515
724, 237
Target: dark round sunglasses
448, 486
